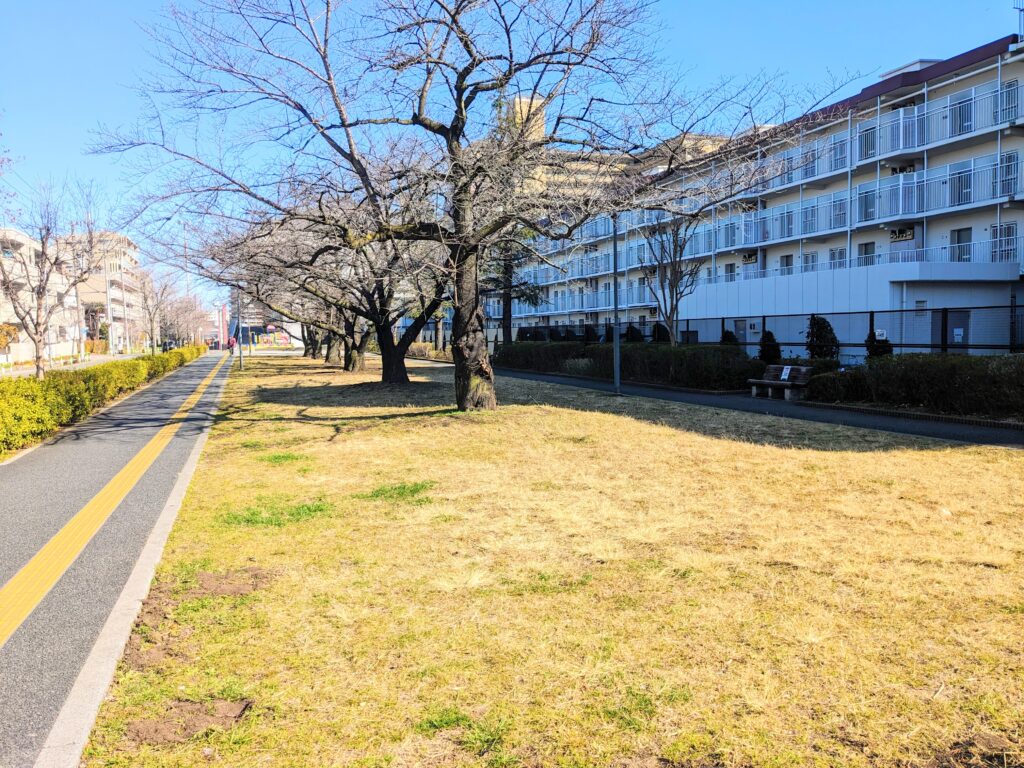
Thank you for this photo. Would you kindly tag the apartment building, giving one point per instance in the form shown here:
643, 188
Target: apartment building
115, 286
64, 336
904, 213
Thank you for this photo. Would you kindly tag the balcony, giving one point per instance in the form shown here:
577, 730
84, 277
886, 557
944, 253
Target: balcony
954, 117
910, 195
1007, 250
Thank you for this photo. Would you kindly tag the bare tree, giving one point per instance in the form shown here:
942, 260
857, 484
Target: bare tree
157, 292
38, 281
409, 96
181, 318
301, 271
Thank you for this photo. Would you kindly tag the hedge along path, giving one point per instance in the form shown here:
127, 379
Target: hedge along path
27, 588
32, 410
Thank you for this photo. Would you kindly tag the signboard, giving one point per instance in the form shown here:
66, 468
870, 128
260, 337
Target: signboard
785, 373
958, 335
901, 235
881, 334
750, 258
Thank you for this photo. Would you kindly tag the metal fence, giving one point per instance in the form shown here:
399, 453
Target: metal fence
972, 330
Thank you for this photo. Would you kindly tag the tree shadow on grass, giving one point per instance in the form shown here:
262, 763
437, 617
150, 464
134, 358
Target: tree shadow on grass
430, 395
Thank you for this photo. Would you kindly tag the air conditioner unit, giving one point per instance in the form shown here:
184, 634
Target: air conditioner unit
653, 312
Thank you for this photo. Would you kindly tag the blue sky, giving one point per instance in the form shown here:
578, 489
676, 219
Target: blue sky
68, 65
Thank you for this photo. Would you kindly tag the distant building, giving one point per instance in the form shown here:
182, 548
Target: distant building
64, 337
115, 286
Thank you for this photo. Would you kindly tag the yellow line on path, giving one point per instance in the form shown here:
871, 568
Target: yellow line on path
27, 588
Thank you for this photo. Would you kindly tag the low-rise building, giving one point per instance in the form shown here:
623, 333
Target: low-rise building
64, 337
114, 289
903, 213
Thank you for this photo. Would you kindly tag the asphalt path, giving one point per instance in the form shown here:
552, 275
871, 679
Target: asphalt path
967, 433
39, 493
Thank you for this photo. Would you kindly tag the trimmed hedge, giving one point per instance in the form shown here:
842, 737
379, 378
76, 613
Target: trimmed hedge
983, 385
703, 366
31, 409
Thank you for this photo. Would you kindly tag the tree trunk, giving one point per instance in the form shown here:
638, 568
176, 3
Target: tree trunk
355, 353
37, 343
392, 358
474, 379
506, 301
316, 343
307, 348
438, 333
335, 350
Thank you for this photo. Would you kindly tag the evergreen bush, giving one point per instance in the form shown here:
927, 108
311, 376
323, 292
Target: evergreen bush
821, 338
769, 350
877, 347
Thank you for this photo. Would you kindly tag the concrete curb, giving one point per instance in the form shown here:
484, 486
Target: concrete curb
70, 732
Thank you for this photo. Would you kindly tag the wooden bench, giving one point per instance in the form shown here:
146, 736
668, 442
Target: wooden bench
781, 382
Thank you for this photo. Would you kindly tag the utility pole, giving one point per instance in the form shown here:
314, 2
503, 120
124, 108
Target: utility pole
238, 328
616, 351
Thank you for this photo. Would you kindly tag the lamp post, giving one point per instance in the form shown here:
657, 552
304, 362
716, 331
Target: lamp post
238, 328
616, 358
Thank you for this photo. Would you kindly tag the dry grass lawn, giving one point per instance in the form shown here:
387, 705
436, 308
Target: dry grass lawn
362, 576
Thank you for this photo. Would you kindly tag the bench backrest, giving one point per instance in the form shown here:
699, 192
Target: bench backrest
798, 374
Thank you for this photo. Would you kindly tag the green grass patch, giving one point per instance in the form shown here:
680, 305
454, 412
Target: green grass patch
255, 445
634, 711
441, 719
543, 583
274, 513
283, 457
401, 493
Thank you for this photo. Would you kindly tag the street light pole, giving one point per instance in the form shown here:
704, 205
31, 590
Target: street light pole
616, 357
238, 328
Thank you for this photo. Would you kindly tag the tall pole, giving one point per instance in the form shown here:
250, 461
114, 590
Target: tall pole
616, 357
238, 328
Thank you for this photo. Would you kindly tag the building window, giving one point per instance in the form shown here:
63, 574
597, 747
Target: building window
960, 244
730, 273
1004, 241
810, 261
1008, 174
921, 307
837, 258
865, 254
786, 264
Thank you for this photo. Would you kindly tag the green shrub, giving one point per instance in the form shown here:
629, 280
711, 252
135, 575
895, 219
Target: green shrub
821, 338
31, 409
728, 337
769, 350
695, 366
817, 365
955, 384
877, 347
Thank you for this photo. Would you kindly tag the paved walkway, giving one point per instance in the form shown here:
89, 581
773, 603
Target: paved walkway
112, 475
935, 429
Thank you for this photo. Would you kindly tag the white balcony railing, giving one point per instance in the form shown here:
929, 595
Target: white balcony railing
952, 186
977, 109
1005, 250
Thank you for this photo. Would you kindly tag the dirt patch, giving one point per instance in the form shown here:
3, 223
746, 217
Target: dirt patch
982, 750
152, 642
186, 719
231, 584
143, 652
